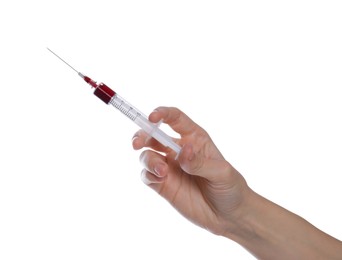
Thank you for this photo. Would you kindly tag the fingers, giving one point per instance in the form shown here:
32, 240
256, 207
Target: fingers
149, 178
154, 162
176, 119
155, 167
206, 162
141, 140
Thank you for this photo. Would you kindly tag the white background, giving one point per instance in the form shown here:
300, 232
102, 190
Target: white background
262, 77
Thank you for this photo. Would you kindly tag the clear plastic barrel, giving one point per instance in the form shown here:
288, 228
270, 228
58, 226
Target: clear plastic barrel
142, 121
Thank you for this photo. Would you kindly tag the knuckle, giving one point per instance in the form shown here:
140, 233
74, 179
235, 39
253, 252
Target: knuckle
193, 166
198, 165
149, 159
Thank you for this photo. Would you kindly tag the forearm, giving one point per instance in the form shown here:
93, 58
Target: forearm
269, 231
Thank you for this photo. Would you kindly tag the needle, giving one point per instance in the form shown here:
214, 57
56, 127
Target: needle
109, 96
63, 60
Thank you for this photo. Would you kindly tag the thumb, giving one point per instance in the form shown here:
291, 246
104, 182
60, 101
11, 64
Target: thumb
196, 164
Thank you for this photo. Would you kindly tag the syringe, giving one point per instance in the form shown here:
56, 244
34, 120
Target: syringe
109, 96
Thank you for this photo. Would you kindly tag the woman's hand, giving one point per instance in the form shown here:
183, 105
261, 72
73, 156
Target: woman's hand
200, 184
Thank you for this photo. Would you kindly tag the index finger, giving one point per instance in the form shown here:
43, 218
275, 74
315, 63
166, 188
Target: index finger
176, 119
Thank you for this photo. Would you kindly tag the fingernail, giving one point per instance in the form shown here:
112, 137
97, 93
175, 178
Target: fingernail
158, 169
136, 135
154, 111
144, 178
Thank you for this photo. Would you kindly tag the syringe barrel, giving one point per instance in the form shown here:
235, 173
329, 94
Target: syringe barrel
142, 121
109, 96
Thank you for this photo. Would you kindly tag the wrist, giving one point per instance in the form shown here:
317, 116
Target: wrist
240, 222
269, 231
253, 228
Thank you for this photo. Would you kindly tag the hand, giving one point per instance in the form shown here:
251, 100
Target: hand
200, 184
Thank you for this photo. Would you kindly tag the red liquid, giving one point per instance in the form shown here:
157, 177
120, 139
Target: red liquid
104, 93
90, 81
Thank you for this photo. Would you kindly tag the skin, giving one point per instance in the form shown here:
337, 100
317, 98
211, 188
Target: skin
209, 191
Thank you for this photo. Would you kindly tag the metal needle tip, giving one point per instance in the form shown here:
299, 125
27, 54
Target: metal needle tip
63, 60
